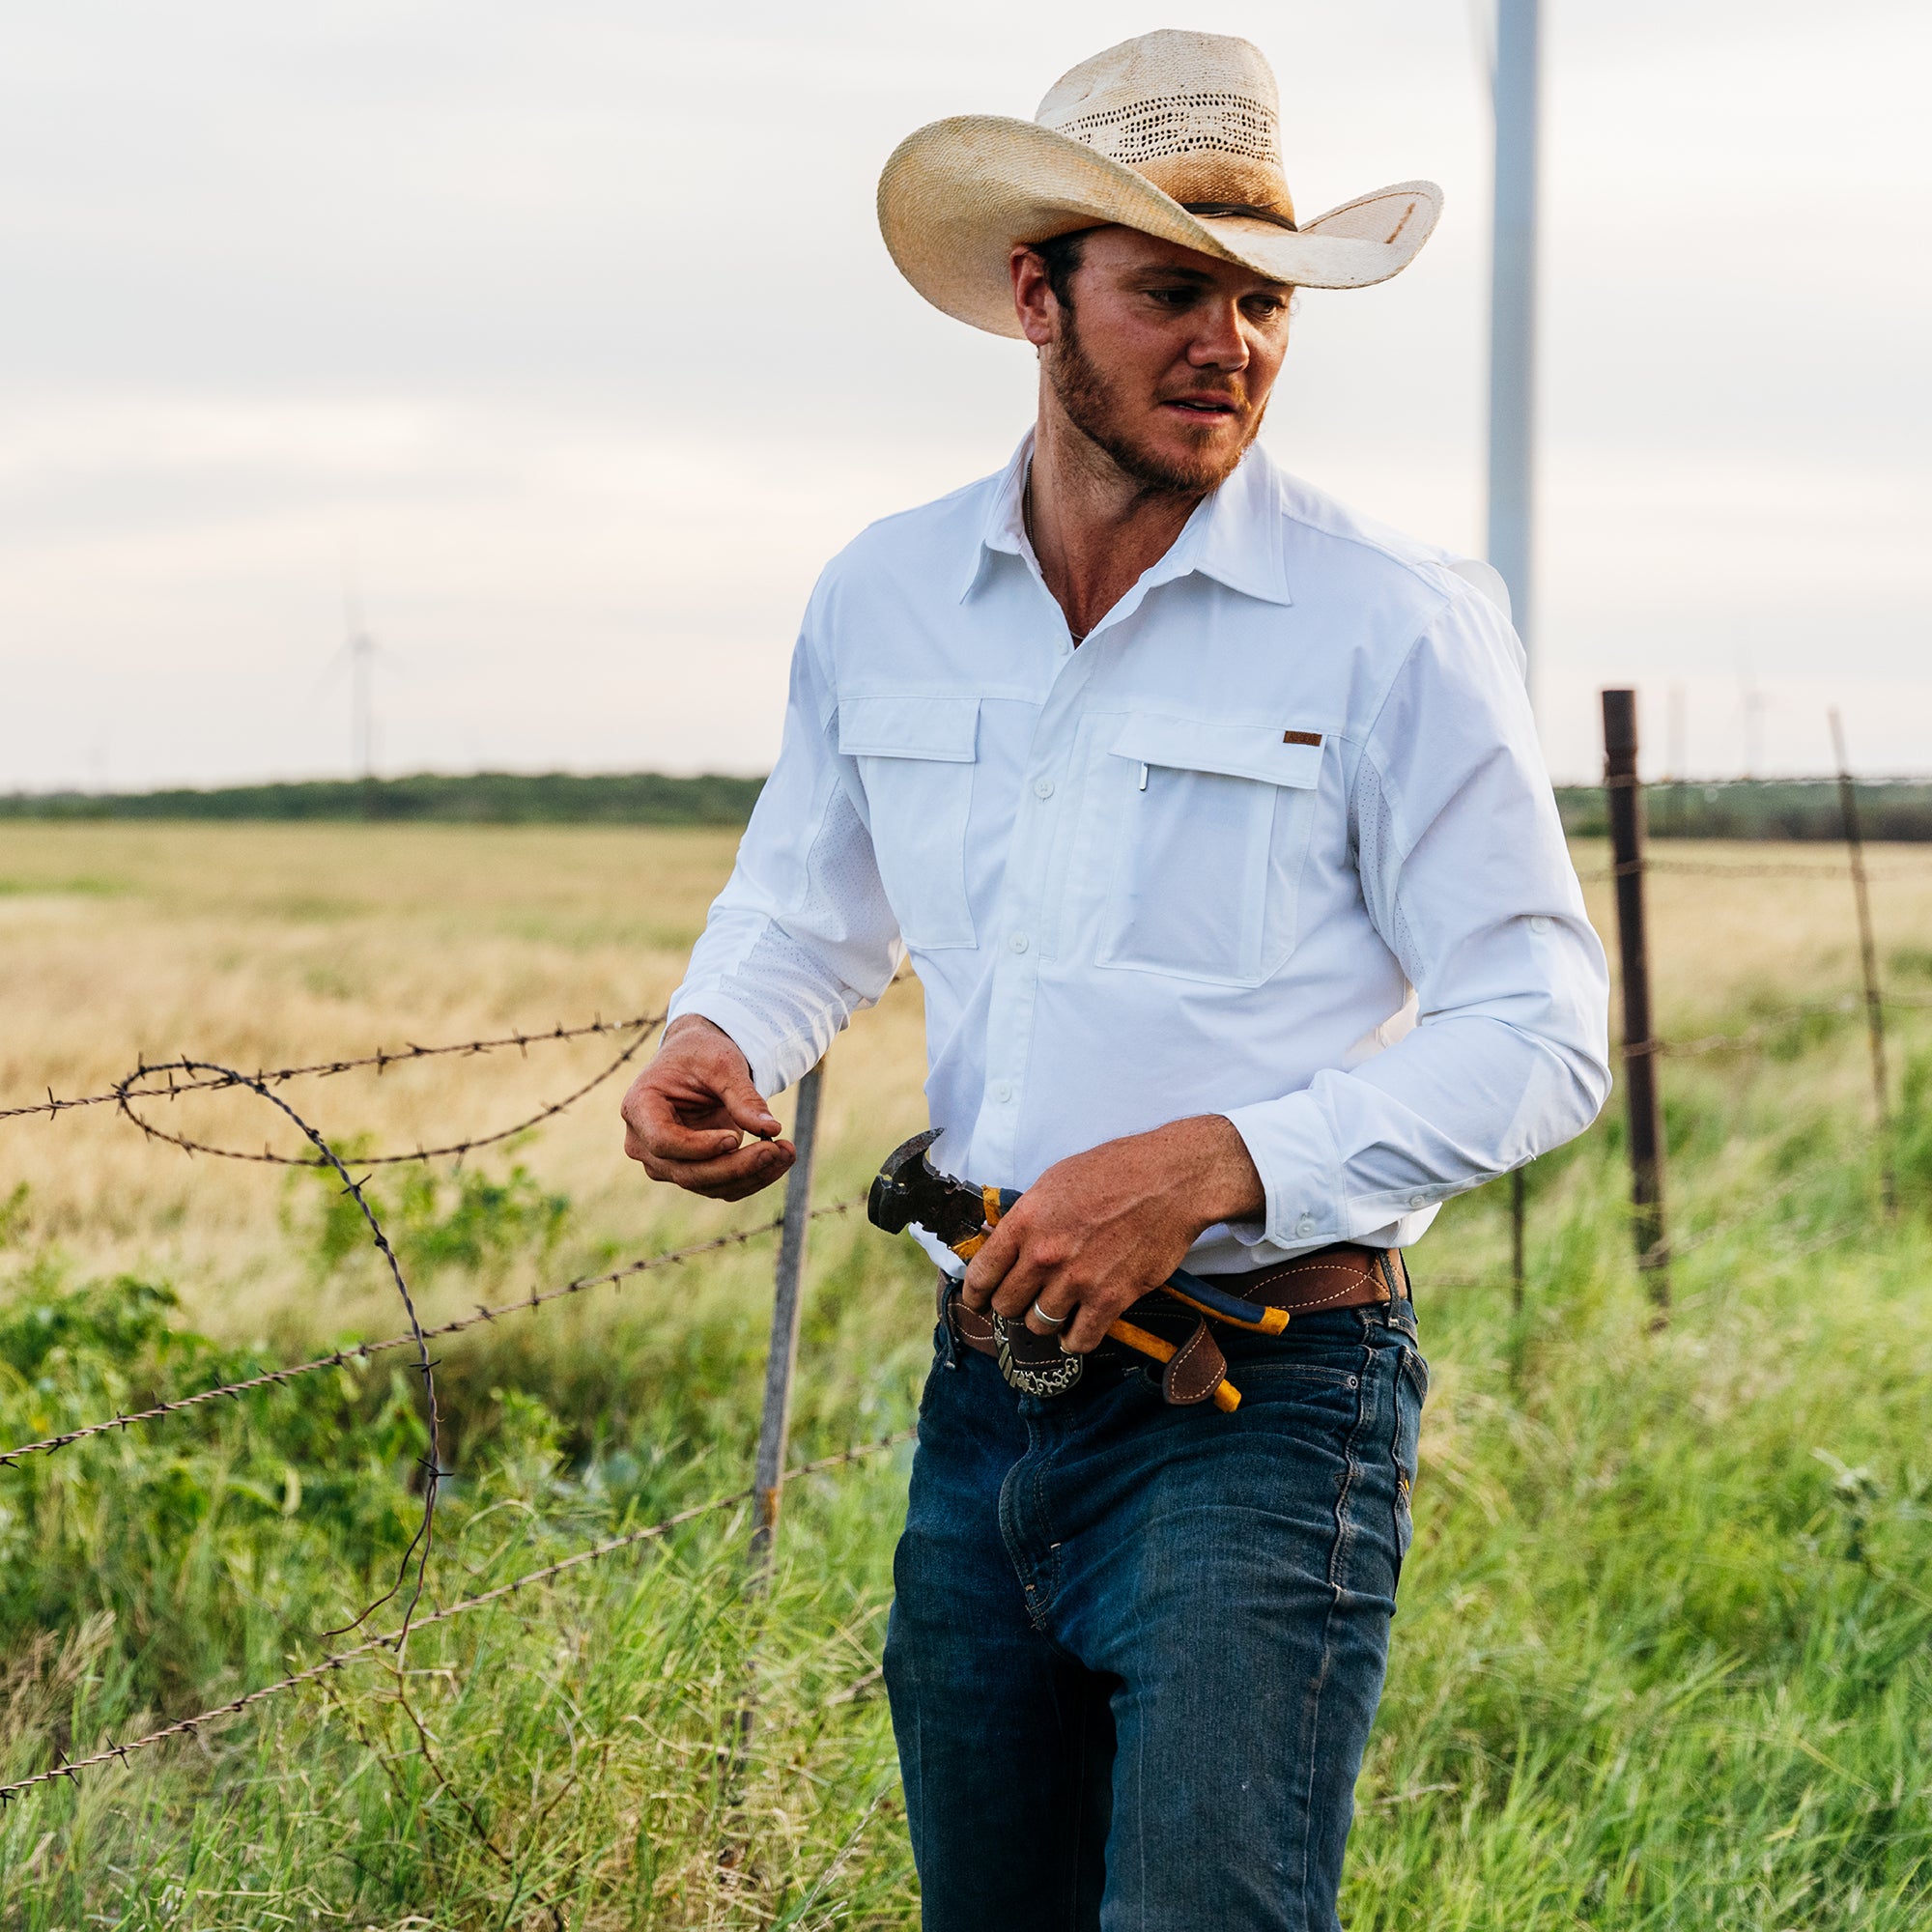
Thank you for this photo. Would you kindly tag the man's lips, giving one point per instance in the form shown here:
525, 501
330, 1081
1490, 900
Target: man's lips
1202, 406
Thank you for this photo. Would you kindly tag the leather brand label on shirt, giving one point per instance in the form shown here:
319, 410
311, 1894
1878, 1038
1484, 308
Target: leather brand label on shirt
1301, 737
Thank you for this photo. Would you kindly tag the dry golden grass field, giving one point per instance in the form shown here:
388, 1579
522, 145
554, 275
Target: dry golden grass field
1663, 1658
272, 944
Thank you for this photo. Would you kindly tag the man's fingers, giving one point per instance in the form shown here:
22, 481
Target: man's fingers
738, 1190
747, 1106
985, 1271
1056, 1302
1022, 1284
655, 1129
745, 1170
1086, 1331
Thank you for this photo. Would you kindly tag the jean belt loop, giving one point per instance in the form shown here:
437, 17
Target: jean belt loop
1399, 1310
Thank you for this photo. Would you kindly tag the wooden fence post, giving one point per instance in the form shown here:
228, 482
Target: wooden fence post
1624, 797
1848, 808
775, 1427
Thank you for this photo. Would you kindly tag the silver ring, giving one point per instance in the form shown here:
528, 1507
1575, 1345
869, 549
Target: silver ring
1055, 1321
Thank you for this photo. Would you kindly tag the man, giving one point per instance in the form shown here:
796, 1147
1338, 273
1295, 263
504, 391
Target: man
1213, 822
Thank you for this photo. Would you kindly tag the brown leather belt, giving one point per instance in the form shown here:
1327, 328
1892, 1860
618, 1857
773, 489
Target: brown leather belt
1342, 1276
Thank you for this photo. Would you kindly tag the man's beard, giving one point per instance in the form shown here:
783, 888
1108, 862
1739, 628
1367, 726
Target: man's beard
1095, 408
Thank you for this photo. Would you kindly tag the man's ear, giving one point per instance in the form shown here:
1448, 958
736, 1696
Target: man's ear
1034, 301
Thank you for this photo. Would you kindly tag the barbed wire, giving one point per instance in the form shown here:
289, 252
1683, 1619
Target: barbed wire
1782, 869
382, 1060
326, 1156
71, 1768
1713, 869
1739, 781
1741, 1216
360, 1351
268, 1158
1754, 1036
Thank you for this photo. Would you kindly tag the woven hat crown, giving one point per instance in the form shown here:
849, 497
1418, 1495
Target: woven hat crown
1175, 135
1198, 114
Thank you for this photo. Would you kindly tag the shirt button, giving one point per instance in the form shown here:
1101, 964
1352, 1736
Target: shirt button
1306, 1225
1418, 1201
1042, 787
1018, 942
1002, 1091
1540, 923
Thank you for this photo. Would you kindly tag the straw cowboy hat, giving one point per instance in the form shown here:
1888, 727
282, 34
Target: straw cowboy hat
1177, 134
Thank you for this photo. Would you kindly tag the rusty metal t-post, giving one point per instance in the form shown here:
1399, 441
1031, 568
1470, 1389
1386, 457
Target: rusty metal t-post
774, 1429
1625, 798
1848, 808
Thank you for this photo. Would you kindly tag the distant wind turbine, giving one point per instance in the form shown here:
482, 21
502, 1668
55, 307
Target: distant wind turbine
360, 648
360, 652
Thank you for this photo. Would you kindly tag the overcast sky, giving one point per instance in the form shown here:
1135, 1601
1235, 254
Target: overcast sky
567, 332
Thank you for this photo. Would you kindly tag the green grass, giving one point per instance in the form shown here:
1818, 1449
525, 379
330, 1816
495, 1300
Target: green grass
1664, 1657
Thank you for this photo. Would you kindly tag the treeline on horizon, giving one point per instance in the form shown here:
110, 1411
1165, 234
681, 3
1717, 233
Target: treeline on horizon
1796, 809
471, 798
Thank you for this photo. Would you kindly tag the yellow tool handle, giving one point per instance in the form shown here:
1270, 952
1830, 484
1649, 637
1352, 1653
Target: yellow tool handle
973, 1243
1226, 1397
1266, 1322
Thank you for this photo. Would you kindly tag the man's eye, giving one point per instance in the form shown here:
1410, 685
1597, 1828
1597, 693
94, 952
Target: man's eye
1173, 298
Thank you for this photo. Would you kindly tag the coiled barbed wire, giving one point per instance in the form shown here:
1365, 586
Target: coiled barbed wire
382, 1060
326, 1156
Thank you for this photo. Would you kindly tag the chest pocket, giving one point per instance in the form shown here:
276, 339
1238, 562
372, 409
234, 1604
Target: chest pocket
1210, 828
916, 756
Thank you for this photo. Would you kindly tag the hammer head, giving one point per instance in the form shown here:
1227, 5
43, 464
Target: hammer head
910, 1189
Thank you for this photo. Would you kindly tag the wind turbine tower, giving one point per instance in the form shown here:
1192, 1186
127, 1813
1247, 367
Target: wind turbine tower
361, 650
1515, 86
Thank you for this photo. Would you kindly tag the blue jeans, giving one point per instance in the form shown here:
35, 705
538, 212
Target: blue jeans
1136, 1649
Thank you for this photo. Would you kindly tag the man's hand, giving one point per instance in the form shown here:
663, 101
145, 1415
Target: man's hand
688, 1112
1094, 1232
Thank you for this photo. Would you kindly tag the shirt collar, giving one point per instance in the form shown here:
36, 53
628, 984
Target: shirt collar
1234, 536
1003, 528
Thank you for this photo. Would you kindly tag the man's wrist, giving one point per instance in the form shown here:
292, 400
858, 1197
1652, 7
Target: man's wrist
689, 1023
1221, 1180
685, 1022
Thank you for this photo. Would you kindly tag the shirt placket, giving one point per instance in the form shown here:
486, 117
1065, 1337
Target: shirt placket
1053, 796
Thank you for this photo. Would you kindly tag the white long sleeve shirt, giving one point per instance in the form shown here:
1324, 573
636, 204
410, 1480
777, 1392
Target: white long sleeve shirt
1275, 841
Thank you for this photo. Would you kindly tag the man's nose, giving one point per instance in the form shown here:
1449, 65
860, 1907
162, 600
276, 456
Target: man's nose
1220, 343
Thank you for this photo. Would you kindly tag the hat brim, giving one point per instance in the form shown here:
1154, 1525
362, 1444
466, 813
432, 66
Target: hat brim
959, 195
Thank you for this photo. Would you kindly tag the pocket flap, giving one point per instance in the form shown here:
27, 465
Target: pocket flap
1236, 751
912, 725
